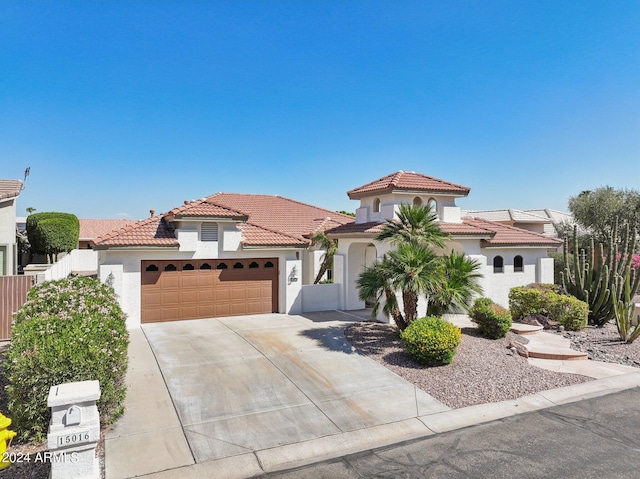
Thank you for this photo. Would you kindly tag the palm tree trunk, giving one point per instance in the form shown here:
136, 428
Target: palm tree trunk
410, 300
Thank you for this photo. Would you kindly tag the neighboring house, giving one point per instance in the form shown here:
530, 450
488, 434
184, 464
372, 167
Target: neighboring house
9, 192
542, 221
233, 254
91, 229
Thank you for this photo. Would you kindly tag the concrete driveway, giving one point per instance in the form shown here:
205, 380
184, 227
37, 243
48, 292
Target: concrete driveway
235, 397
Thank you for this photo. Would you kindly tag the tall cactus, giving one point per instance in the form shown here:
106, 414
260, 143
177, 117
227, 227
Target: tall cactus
598, 280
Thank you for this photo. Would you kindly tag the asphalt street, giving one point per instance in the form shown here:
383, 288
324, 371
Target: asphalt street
594, 438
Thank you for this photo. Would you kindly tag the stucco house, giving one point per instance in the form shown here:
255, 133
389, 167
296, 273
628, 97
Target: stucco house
9, 192
232, 254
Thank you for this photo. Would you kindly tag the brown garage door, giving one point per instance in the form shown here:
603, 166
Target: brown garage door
191, 289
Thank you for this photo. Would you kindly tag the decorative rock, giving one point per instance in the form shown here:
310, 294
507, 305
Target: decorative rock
519, 348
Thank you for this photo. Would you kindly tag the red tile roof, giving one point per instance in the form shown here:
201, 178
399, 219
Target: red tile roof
283, 215
491, 233
266, 220
94, 228
10, 188
408, 181
207, 209
153, 231
506, 235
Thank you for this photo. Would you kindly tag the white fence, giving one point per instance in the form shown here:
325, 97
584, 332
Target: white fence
79, 260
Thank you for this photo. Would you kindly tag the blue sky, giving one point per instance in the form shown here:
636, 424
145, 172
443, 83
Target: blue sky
122, 107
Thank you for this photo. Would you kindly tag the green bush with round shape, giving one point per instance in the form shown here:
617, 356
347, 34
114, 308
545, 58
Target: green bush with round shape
431, 341
68, 330
492, 319
545, 299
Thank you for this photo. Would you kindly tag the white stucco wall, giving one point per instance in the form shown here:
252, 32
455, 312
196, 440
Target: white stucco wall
8, 235
320, 297
497, 285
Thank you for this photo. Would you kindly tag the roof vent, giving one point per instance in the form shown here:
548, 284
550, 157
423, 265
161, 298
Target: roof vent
153, 212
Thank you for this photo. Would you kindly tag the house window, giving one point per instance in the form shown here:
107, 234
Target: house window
417, 201
518, 264
376, 205
432, 204
498, 264
209, 232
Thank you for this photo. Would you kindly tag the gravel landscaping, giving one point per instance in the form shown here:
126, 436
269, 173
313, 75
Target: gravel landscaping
484, 370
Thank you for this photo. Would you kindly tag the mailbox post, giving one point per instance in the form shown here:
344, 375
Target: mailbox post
74, 430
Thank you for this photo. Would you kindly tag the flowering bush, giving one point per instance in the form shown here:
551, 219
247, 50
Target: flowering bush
431, 340
67, 330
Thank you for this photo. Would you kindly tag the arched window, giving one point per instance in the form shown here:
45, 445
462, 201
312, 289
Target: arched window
417, 201
238, 265
188, 267
518, 264
498, 264
170, 267
222, 266
151, 267
432, 204
268, 264
376, 205
205, 266
253, 264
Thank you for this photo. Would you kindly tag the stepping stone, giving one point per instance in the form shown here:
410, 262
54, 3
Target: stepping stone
524, 329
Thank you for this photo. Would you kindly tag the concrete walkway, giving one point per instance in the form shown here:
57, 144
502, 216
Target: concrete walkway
240, 397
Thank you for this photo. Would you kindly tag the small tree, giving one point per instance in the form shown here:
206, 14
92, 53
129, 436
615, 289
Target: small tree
52, 233
330, 247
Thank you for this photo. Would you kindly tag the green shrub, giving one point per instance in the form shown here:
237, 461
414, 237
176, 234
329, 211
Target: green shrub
67, 330
569, 311
525, 301
492, 319
52, 233
572, 313
431, 340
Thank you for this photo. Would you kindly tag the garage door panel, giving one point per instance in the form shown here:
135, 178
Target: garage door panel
197, 292
188, 280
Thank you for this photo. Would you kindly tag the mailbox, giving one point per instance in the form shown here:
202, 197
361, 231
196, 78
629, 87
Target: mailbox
74, 430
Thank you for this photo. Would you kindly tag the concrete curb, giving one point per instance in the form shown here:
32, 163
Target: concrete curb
329, 447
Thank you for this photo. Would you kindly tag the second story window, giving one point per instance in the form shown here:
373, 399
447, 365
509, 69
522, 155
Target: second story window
376, 205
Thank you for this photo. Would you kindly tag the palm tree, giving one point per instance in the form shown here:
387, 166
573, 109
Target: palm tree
414, 224
330, 246
415, 271
412, 269
459, 284
373, 283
